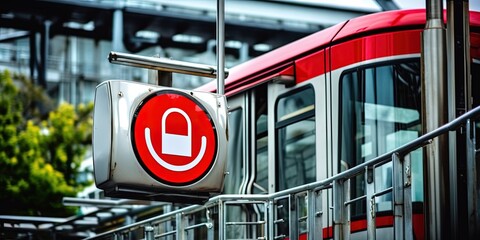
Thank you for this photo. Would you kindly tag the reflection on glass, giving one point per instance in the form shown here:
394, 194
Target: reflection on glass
235, 153
296, 139
380, 111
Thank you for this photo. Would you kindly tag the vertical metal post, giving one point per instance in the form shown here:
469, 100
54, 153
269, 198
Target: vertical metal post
220, 47
346, 210
402, 201
472, 182
117, 31
221, 220
397, 197
180, 226
266, 220
434, 95
33, 55
338, 218
149, 233
312, 216
210, 225
407, 198
341, 229
460, 101
271, 219
370, 201
45, 37
318, 215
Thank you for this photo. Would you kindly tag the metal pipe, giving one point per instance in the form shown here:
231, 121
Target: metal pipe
163, 64
434, 12
459, 92
220, 47
434, 113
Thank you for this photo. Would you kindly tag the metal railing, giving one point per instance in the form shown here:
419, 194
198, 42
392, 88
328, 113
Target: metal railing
299, 211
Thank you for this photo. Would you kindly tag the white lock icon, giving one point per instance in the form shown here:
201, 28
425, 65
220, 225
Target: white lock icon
176, 144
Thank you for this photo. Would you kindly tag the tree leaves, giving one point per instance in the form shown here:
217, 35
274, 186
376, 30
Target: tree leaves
39, 158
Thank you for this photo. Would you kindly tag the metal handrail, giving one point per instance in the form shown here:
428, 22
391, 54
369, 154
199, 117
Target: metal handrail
316, 186
164, 64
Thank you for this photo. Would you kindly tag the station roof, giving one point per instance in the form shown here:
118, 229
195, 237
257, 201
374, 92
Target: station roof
186, 24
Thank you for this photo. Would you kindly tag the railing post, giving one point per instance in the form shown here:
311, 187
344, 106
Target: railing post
402, 203
407, 198
149, 233
473, 216
221, 220
180, 226
397, 195
370, 201
340, 215
210, 225
266, 229
271, 219
314, 227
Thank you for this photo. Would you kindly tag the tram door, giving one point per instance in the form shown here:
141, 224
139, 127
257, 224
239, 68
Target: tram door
294, 134
378, 107
247, 164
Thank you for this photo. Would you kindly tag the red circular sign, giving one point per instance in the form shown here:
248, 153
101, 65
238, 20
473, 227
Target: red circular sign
174, 137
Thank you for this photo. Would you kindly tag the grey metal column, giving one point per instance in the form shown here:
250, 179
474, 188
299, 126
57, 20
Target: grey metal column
220, 47
117, 31
44, 42
434, 106
33, 55
460, 101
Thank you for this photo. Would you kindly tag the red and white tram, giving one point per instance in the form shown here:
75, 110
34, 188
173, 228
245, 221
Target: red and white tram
325, 103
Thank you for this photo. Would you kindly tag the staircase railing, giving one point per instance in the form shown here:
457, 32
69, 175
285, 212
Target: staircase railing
300, 208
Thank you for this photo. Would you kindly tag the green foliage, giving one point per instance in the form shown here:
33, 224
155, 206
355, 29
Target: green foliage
39, 158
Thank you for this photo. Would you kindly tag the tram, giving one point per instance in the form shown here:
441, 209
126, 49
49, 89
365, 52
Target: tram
309, 111
328, 102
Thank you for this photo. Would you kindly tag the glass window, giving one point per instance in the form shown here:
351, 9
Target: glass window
295, 125
260, 184
380, 111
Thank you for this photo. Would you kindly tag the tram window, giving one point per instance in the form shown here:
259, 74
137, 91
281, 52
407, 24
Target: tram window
261, 164
235, 152
295, 125
380, 111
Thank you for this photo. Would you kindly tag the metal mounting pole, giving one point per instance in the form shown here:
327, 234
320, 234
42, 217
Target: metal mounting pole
434, 114
220, 47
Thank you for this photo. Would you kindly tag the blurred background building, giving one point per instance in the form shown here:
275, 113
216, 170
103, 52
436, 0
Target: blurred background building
62, 45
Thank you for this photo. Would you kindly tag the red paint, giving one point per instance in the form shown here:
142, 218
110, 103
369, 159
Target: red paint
156, 112
383, 21
475, 45
310, 66
262, 68
363, 31
375, 46
381, 222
